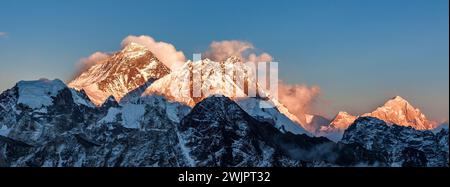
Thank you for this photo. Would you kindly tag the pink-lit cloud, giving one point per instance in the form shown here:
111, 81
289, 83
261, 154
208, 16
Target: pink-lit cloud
165, 52
298, 98
87, 62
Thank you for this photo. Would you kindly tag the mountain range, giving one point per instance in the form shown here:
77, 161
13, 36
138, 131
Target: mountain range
131, 110
395, 111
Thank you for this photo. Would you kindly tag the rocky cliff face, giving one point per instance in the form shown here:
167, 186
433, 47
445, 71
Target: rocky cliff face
404, 146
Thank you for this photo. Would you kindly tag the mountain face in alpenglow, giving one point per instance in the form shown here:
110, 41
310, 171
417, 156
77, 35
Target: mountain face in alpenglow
343, 120
213, 78
120, 74
398, 111
335, 129
395, 111
221, 78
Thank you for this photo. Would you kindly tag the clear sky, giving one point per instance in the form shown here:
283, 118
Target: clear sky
360, 52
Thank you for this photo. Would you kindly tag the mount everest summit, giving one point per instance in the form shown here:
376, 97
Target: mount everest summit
120, 74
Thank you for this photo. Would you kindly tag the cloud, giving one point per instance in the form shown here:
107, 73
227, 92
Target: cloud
87, 62
298, 98
221, 50
264, 57
3, 34
165, 52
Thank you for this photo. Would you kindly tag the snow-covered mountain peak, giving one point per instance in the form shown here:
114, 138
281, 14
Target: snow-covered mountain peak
133, 47
399, 98
335, 129
399, 111
120, 74
39, 93
197, 80
343, 120
233, 59
42, 83
343, 113
397, 102
396, 110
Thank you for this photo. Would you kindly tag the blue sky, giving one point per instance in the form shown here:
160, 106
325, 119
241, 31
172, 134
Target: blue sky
360, 52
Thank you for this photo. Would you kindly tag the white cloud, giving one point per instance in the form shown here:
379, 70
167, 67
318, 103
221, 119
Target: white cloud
221, 50
3, 34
